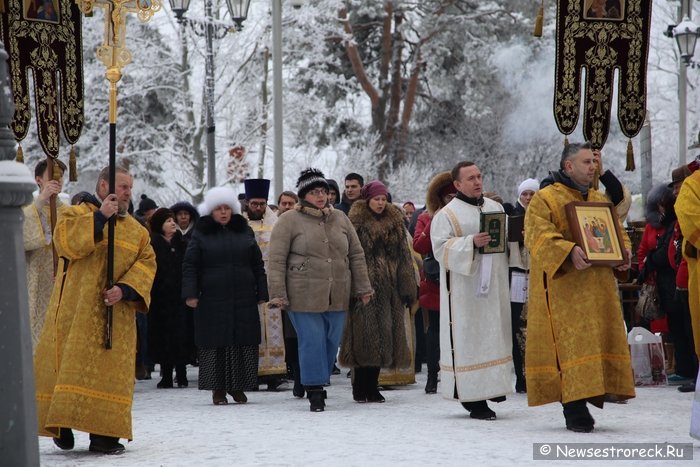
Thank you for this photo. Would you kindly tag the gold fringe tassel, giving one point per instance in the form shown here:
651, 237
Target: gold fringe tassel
630, 157
566, 140
20, 154
539, 20
72, 166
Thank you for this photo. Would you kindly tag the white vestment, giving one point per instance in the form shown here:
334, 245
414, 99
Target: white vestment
475, 323
271, 351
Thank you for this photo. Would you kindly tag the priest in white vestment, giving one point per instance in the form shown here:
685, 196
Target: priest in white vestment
476, 361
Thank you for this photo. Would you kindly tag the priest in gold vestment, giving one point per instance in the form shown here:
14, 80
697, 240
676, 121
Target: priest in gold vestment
576, 342
79, 384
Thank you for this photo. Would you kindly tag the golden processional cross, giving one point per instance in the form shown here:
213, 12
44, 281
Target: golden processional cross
115, 56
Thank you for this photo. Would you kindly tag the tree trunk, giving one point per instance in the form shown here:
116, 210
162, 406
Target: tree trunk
265, 112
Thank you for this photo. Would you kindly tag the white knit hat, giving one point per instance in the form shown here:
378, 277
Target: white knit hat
528, 185
216, 197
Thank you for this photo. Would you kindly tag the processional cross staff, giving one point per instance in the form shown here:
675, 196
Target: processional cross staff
115, 56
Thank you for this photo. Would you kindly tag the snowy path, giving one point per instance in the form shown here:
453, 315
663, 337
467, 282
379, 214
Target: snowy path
180, 427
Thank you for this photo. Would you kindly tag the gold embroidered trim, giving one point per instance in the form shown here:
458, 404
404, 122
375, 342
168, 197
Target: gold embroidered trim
541, 369
92, 393
590, 358
478, 366
453, 220
445, 256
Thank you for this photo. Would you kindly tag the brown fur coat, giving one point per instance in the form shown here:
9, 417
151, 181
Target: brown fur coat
374, 334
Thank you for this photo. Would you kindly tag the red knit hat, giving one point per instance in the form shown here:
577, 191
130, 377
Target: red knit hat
372, 189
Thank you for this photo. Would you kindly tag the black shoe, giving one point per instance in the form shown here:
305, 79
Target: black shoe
274, 384
375, 396
65, 441
182, 382
181, 376
165, 383
520, 386
431, 385
298, 390
349, 375
577, 416
317, 398
239, 396
336, 370
105, 444
479, 410
687, 387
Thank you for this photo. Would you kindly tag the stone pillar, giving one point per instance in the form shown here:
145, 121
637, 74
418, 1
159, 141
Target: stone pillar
18, 431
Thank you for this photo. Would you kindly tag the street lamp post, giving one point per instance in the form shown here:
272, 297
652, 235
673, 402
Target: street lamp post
238, 9
686, 34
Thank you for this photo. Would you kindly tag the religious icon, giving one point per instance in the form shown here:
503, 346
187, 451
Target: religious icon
41, 10
603, 9
595, 230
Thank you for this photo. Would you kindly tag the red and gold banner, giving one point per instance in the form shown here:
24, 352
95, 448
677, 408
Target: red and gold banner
601, 36
44, 41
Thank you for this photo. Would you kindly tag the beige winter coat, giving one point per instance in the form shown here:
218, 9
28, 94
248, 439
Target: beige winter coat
315, 260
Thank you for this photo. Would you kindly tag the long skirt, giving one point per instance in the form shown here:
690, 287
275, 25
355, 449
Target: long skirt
233, 368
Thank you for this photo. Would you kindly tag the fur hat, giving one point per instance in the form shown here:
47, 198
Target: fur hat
679, 174
440, 185
146, 204
216, 197
372, 189
158, 219
257, 188
529, 184
310, 179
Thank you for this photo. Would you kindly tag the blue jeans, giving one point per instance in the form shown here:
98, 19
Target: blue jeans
319, 336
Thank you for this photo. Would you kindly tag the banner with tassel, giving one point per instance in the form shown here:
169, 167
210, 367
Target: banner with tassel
539, 21
72, 166
630, 157
20, 154
599, 37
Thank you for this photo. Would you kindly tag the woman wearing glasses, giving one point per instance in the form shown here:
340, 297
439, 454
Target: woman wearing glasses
315, 262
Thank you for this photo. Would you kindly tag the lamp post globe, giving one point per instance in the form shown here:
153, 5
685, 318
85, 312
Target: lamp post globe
179, 7
238, 9
686, 34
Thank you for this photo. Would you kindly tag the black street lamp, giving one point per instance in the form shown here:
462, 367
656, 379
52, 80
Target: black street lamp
238, 9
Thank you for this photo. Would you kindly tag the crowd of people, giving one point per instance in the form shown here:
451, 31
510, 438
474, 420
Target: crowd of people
255, 293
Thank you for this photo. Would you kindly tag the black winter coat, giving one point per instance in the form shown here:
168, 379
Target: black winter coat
224, 269
170, 333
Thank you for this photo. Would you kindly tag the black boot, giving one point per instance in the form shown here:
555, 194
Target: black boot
359, 391
298, 389
372, 385
105, 444
317, 397
181, 375
65, 441
167, 380
577, 417
479, 410
431, 384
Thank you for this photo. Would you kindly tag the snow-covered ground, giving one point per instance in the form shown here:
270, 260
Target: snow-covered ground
181, 427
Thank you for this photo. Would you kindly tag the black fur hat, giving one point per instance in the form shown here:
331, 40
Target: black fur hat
158, 219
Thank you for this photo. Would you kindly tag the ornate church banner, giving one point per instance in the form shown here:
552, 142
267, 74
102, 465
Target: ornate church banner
43, 39
601, 36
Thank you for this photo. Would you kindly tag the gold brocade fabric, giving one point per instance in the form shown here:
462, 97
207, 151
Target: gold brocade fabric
271, 351
39, 256
48, 42
576, 340
404, 375
688, 211
80, 384
601, 41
